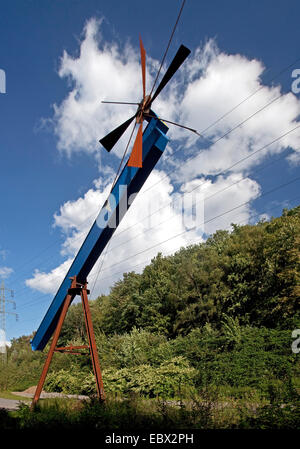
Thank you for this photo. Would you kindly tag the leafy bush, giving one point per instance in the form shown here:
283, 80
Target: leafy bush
217, 315
170, 379
70, 382
282, 411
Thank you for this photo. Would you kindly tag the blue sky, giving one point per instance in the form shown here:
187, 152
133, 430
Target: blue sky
54, 173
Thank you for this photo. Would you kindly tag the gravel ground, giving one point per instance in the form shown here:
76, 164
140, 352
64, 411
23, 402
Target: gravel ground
45, 395
13, 404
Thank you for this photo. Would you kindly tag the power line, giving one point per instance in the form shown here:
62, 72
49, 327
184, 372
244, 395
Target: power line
172, 251
250, 96
204, 199
268, 104
31, 303
213, 143
159, 70
266, 211
168, 46
241, 159
205, 222
100, 267
243, 101
216, 175
197, 187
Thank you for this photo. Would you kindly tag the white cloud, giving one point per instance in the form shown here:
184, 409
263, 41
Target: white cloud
5, 272
141, 235
76, 217
226, 81
264, 217
101, 72
49, 282
209, 84
3, 342
225, 200
3, 253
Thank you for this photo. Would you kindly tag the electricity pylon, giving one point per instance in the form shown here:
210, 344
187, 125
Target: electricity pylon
3, 313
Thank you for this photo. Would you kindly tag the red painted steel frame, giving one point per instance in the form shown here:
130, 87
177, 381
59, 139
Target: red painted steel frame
76, 289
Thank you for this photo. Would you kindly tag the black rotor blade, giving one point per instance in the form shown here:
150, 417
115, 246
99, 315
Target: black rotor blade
179, 58
112, 138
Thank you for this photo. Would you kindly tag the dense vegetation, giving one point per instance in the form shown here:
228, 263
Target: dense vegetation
212, 321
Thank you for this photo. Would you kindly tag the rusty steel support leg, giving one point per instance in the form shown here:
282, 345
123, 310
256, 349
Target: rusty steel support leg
76, 289
63, 313
92, 343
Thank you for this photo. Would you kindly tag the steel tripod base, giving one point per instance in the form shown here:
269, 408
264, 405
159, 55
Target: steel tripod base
74, 290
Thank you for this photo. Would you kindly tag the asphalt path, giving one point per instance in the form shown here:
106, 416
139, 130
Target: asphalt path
13, 404
9, 404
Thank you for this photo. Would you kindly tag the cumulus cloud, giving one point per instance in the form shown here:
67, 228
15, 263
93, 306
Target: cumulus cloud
165, 225
3, 253
5, 272
76, 217
49, 282
3, 342
226, 200
102, 71
209, 85
135, 242
226, 81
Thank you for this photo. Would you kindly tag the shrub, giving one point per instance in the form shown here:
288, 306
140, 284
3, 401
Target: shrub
170, 379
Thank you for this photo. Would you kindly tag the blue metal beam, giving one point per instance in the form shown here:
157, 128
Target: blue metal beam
129, 182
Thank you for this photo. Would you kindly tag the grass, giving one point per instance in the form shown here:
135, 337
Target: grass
211, 408
136, 413
296, 382
9, 395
